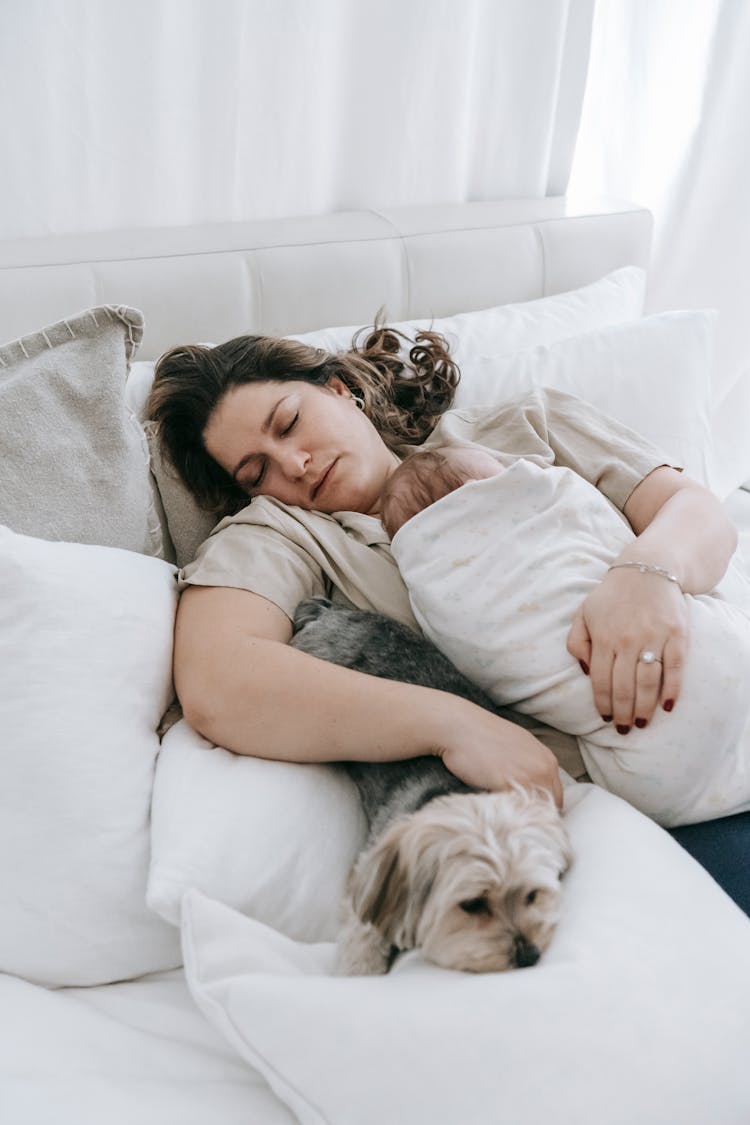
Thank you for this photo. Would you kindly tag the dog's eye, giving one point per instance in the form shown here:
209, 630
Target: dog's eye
530, 897
475, 905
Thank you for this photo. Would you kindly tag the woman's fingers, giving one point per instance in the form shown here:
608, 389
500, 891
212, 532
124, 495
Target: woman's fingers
579, 641
648, 681
489, 752
673, 667
636, 637
629, 685
602, 662
646, 676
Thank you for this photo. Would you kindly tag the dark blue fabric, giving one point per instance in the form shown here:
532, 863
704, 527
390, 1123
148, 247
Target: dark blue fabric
723, 848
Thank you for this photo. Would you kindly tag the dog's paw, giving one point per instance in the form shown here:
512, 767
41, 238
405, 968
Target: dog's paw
362, 950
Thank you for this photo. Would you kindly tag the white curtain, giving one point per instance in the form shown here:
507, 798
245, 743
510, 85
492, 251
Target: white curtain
168, 112
666, 122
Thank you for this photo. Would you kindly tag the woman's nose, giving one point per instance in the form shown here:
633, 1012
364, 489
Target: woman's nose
294, 463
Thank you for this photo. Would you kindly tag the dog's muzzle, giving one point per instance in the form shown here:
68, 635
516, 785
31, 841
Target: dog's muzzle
525, 953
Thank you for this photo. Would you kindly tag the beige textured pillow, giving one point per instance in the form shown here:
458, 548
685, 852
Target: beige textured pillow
189, 524
75, 459
185, 525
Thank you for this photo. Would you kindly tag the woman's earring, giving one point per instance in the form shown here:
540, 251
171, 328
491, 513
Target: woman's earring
360, 402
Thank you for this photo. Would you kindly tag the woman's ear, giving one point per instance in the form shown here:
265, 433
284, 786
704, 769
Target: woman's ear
338, 387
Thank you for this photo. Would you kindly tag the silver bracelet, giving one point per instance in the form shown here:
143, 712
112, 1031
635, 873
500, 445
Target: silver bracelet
650, 568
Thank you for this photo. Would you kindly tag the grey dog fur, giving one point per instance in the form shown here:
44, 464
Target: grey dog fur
379, 646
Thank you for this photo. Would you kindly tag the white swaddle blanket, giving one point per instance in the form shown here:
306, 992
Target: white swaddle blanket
496, 571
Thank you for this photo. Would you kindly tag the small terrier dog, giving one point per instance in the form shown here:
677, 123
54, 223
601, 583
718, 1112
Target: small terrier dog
470, 878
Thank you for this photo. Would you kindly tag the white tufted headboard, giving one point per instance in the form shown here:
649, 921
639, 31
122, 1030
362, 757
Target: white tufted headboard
293, 275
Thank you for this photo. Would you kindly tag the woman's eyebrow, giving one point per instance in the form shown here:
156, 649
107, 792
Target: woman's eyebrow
265, 427
267, 424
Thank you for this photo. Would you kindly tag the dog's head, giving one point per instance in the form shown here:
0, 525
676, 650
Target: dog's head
473, 880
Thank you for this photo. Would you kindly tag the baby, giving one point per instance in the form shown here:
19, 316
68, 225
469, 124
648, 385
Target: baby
426, 477
495, 573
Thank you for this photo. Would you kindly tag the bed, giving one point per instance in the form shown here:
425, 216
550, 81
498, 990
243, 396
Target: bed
168, 908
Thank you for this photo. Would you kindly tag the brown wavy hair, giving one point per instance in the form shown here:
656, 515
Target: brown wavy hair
403, 395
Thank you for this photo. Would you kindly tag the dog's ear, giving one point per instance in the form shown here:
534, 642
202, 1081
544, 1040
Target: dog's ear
389, 886
558, 833
542, 814
378, 883
566, 851
308, 611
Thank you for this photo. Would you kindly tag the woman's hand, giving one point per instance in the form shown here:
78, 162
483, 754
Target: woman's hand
628, 614
489, 752
680, 526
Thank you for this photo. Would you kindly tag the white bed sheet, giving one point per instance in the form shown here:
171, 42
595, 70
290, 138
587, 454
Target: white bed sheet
122, 1053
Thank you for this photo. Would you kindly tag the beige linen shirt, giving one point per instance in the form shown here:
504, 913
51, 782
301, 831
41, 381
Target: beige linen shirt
286, 554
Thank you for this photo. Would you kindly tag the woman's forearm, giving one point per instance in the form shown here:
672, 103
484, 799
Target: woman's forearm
269, 700
688, 533
242, 686
256, 695
680, 527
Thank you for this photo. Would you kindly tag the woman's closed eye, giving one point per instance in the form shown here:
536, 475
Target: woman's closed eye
291, 425
252, 485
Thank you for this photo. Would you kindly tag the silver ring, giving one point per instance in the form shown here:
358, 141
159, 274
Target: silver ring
649, 657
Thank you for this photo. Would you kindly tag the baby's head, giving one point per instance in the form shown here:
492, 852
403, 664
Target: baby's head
424, 478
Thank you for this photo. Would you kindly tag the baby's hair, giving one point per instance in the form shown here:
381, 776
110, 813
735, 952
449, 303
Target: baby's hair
411, 487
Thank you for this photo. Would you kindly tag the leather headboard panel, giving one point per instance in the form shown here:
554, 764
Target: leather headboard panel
293, 275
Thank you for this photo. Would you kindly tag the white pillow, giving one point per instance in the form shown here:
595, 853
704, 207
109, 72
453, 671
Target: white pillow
654, 375
86, 651
731, 411
273, 839
638, 1012
614, 299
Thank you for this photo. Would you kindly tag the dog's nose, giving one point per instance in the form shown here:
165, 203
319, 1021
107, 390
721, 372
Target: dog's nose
525, 953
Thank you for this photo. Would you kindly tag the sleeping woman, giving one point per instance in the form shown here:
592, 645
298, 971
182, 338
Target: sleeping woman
294, 447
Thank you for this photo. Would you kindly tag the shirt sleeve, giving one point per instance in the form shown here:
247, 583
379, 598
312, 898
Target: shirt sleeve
554, 428
258, 558
604, 451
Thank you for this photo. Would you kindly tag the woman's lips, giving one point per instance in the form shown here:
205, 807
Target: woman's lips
324, 480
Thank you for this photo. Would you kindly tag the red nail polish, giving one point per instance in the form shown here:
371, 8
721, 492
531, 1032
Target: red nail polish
622, 729
584, 667
641, 723
606, 718
668, 704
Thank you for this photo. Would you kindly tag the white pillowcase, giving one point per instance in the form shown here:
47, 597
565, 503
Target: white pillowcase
654, 375
86, 651
639, 1011
614, 299
273, 839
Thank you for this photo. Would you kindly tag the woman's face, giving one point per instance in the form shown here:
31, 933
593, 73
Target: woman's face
302, 444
